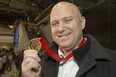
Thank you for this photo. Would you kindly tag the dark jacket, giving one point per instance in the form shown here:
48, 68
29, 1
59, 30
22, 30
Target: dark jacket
93, 61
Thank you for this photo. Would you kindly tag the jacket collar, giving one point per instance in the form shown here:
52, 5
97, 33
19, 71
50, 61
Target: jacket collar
97, 51
94, 52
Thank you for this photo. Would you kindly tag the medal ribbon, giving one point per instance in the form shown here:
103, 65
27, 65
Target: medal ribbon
52, 54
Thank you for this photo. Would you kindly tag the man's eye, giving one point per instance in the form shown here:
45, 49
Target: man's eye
68, 20
54, 24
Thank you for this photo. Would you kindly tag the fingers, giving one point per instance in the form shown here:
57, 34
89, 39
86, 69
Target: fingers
30, 64
32, 54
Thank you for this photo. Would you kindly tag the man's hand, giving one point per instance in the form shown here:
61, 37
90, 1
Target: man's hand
30, 64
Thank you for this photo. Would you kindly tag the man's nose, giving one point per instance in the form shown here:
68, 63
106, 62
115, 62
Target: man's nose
61, 27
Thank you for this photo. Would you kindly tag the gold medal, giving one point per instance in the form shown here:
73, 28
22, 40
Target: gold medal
34, 44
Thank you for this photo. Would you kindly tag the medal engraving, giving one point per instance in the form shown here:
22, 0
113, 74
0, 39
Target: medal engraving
34, 44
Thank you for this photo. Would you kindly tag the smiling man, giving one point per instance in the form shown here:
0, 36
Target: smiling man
80, 55
66, 26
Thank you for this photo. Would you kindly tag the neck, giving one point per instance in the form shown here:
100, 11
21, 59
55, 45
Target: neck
65, 51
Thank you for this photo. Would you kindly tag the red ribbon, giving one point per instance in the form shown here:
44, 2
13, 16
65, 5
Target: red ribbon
52, 54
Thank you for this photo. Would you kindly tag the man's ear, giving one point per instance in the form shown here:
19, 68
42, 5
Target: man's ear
83, 22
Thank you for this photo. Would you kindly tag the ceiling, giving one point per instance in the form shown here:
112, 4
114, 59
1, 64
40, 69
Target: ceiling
11, 10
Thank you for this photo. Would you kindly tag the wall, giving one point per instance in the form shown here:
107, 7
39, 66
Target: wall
101, 21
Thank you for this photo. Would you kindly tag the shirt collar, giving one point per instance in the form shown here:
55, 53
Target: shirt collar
60, 53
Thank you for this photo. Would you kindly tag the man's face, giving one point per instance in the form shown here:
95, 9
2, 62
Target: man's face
66, 27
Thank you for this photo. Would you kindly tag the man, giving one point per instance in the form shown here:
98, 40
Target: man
83, 55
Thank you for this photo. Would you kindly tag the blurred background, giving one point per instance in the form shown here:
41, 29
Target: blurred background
22, 20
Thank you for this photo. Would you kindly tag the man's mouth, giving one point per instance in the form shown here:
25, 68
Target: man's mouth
64, 35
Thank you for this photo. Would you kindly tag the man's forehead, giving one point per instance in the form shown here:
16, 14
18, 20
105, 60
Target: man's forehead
61, 18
